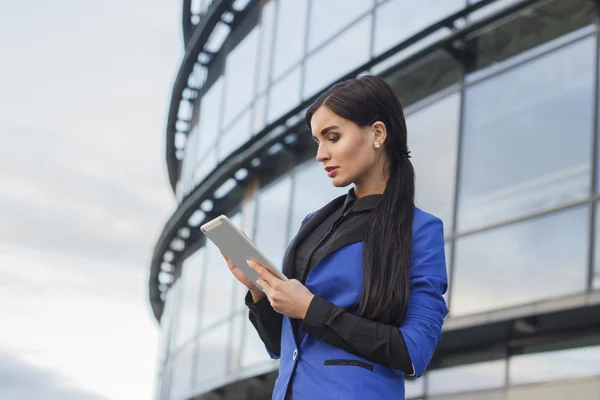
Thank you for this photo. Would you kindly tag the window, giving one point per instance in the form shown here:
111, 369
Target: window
258, 113
532, 31
414, 388
284, 95
210, 111
526, 140
266, 44
433, 141
289, 37
206, 163
253, 349
397, 20
240, 72
448, 254
271, 220
212, 353
181, 377
191, 288
328, 17
554, 365
506, 266
174, 298
235, 135
466, 378
216, 296
343, 54
420, 79
237, 334
596, 277
312, 190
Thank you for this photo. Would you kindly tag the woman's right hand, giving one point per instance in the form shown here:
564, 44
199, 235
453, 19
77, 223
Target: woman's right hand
257, 294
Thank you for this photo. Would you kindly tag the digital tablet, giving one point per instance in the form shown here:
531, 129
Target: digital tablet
237, 247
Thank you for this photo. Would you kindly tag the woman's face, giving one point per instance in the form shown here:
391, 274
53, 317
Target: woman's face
346, 150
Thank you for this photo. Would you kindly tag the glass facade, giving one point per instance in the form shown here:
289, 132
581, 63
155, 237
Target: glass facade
503, 133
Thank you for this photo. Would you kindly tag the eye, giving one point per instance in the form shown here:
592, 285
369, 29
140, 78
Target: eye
333, 137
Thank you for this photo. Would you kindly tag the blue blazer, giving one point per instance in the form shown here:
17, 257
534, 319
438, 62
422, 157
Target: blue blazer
338, 278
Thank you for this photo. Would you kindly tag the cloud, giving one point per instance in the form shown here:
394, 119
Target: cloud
20, 380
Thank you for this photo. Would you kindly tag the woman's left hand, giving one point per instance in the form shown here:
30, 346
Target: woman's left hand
290, 297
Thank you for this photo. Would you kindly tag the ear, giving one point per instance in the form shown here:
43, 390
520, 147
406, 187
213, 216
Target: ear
379, 132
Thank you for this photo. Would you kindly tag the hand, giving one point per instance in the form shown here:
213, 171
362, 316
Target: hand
290, 297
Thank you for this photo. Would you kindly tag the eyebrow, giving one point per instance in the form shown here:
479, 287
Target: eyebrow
325, 130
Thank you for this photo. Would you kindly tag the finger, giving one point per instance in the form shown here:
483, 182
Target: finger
265, 286
263, 272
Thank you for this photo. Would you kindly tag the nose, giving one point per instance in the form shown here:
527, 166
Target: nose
323, 154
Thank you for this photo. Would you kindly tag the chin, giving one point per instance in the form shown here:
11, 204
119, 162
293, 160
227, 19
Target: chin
340, 183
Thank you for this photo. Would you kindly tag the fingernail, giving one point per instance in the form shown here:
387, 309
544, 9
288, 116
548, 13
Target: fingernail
249, 263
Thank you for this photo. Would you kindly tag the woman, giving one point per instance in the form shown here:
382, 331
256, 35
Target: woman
363, 306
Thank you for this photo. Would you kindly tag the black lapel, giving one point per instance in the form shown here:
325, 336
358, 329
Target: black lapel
354, 235
307, 227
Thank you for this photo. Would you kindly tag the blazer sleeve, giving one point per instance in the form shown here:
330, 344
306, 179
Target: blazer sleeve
422, 326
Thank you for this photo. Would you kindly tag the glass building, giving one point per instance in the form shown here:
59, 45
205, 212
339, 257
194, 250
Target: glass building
501, 99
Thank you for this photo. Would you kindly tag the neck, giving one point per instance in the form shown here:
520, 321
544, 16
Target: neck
371, 185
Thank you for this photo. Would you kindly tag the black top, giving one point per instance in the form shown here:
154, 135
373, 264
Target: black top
324, 320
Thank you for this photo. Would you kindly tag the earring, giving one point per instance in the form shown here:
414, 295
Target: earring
377, 145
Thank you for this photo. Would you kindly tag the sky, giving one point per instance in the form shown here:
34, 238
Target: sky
84, 91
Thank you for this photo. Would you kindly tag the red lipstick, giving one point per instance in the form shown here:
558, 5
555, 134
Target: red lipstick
331, 171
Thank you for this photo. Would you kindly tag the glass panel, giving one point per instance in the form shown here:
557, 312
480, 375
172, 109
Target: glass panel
208, 162
266, 44
420, 79
258, 113
344, 53
174, 296
235, 135
596, 277
504, 267
448, 254
237, 334
433, 140
216, 296
191, 281
210, 109
555, 365
166, 326
414, 388
284, 95
240, 70
181, 377
532, 31
253, 350
188, 158
272, 216
312, 190
397, 20
327, 17
212, 354
289, 37
478, 376
527, 137
497, 394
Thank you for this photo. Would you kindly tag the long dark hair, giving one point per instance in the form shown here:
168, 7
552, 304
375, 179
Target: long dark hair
387, 244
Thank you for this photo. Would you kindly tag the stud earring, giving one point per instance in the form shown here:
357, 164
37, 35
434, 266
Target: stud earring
377, 145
